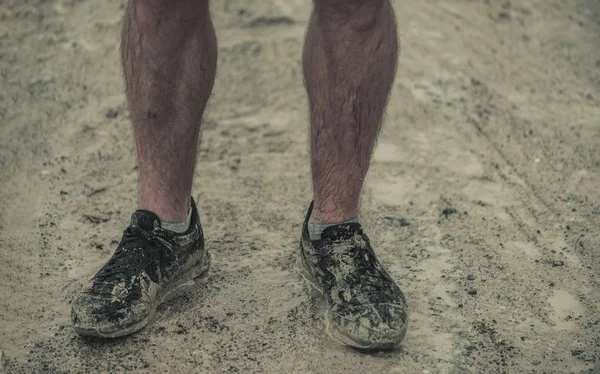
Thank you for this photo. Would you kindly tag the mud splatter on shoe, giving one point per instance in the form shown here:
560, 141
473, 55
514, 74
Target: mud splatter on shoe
148, 266
365, 307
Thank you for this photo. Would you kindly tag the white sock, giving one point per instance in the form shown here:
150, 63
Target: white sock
316, 229
179, 227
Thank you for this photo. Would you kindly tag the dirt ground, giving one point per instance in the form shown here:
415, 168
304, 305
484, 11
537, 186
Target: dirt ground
483, 199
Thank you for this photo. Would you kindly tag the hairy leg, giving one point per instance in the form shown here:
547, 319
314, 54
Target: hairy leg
169, 55
349, 60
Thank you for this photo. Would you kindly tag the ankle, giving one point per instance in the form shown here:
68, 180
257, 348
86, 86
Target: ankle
167, 212
179, 227
315, 230
320, 216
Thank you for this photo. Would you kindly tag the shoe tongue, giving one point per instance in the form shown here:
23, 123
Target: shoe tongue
341, 231
144, 219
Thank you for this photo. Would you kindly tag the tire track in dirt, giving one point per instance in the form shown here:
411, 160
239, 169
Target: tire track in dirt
572, 316
545, 260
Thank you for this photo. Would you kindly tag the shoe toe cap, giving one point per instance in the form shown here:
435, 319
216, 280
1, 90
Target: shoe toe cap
96, 315
371, 326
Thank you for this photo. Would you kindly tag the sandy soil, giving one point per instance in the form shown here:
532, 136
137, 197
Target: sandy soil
483, 199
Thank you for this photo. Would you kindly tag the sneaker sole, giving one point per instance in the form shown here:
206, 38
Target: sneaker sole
331, 328
196, 274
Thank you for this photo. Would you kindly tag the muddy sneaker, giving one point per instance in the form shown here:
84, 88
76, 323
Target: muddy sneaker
365, 307
149, 265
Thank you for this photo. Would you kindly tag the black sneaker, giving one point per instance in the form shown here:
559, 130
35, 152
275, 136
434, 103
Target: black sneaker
147, 267
365, 307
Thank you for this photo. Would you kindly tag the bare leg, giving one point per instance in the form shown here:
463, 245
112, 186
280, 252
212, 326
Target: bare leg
169, 52
169, 56
349, 60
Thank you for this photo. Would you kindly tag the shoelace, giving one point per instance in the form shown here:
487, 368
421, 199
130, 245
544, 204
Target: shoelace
367, 267
125, 257
354, 252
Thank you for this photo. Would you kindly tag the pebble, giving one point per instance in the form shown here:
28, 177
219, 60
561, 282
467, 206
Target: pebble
2, 360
